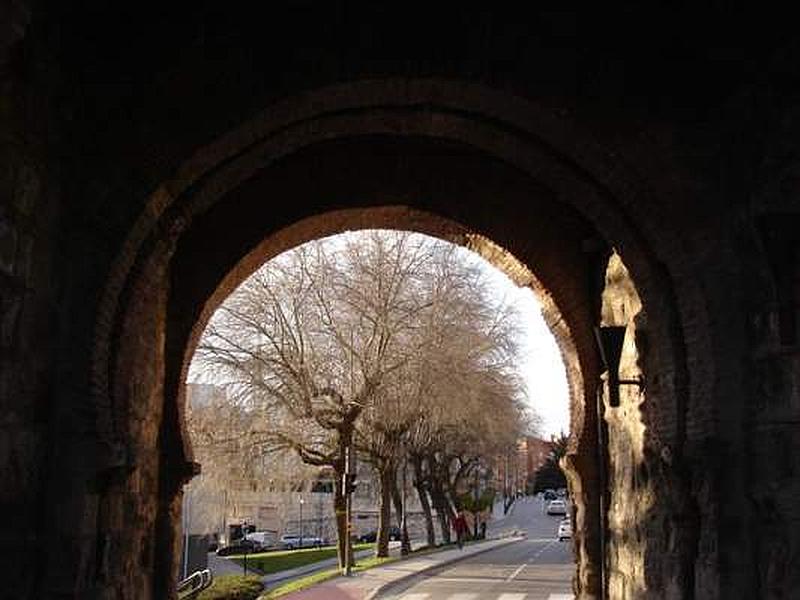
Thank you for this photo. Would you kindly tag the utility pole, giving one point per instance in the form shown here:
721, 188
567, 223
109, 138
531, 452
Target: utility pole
348, 476
244, 542
301, 521
477, 500
319, 515
505, 483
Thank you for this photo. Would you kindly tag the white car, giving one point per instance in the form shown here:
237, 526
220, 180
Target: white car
263, 539
557, 507
291, 541
564, 530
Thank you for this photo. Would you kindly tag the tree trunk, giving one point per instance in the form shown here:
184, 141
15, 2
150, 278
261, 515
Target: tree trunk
397, 500
424, 502
385, 476
442, 511
438, 478
444, 525
344, 545
340, 509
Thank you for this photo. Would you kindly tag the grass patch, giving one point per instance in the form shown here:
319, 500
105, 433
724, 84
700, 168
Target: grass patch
363, 564
282, 560
315, 578
233, 587
374, 561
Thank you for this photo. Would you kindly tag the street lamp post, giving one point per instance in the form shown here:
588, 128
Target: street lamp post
244, 544
505, 484
301, 521
477, 500
319, 516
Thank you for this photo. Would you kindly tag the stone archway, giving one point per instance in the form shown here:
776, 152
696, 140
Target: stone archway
529, 185
401, 218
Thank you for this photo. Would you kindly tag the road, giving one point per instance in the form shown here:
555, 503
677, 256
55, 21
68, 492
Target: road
538, 568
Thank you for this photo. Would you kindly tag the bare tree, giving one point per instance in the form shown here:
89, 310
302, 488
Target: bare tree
459, 389
309, 339
383, 339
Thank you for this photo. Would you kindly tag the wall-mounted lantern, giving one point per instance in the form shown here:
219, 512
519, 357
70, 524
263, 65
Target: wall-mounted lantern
609, 343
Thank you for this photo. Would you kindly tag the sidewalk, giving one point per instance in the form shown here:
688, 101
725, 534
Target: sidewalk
368, 584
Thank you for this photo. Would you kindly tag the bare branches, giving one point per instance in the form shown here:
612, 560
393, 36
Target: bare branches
390, 339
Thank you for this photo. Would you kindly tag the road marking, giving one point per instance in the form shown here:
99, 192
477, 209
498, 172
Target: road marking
508, 596
459, 596
541, 550
465, 579
420, 596
561, 597
516, 572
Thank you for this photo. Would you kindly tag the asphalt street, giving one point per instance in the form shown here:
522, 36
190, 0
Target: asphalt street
538, 568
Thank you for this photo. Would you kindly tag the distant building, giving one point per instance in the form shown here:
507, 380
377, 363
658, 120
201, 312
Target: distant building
514, 469
281, 506
534, 451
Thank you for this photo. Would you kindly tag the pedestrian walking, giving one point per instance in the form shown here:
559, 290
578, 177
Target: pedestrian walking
460, 526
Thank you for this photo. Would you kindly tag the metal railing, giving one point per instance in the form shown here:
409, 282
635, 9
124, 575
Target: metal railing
194, 584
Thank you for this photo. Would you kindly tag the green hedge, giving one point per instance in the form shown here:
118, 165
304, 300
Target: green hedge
233, 587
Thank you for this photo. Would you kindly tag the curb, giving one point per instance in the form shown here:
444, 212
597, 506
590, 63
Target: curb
383, 587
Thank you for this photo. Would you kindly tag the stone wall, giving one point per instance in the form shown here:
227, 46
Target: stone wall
652, 525
29, 319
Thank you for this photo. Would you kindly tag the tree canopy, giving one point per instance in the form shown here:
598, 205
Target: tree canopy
550, 476
387, 340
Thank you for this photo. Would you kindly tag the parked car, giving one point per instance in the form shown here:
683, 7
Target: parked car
369, 537
262, 539
550, 495
557, 507
292, 541
395, 535
564, 530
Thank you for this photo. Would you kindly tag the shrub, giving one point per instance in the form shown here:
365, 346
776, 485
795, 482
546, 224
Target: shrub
233, 587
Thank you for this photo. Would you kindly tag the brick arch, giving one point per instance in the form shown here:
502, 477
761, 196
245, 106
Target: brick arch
507, 126
529, 158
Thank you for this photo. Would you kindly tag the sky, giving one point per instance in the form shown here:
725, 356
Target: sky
542, 367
